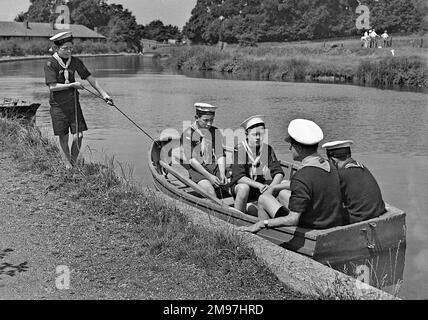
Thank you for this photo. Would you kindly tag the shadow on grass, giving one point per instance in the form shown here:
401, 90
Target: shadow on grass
10, 269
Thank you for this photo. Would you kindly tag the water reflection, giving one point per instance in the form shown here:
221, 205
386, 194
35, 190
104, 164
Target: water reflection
208, 74
100, 66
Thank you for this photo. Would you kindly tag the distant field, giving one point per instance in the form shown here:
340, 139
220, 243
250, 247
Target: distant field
398, 40
402, 45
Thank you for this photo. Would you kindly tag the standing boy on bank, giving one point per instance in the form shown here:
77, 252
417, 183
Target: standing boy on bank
203, 152
66, 113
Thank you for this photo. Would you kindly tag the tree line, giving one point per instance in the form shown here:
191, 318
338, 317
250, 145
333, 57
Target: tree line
113, 21
251, 21
240, 21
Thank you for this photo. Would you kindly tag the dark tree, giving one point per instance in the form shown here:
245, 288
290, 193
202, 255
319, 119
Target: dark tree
281, 20
156, 30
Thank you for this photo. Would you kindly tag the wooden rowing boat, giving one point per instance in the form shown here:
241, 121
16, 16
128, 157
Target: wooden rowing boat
15, 108
335, 246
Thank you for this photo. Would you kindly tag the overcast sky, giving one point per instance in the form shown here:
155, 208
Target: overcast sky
175, 12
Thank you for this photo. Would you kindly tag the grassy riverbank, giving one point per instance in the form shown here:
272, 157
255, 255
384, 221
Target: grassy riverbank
340, 61
117, 236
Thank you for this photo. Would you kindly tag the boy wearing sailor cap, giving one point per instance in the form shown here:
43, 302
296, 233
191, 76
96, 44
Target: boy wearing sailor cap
361, 194
254, 163
66, 112
314, 199
203, 152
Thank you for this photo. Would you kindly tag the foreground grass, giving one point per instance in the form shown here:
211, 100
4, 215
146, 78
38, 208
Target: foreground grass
347, 61
165, 236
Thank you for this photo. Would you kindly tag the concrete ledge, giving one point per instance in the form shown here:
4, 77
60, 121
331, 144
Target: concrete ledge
296, 271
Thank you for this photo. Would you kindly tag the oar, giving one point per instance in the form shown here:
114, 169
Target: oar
195, 186
189, 182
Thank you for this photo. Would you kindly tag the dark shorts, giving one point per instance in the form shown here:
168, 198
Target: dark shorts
64, 119
253, 195
195, 176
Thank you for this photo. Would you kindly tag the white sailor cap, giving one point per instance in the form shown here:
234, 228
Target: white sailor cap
338, 148
337, 144
62, 37
252, 121
304, 131
204, 108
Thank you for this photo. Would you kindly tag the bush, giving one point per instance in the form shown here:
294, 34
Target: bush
247, 40
36, 47
400, 71
41, 47
11, 48
90, 47
117, 47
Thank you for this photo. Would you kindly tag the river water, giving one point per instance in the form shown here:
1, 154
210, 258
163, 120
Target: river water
389, 128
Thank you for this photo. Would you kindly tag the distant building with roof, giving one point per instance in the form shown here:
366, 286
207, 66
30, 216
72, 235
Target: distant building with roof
43, 31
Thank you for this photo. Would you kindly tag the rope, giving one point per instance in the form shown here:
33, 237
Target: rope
77, 125
112, 104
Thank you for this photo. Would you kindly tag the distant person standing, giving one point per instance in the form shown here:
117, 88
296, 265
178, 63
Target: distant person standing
66, 113
361, 194
365, 39
385, 38
373, 38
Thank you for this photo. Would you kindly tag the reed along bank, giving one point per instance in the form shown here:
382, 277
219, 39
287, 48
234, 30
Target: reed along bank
347, 62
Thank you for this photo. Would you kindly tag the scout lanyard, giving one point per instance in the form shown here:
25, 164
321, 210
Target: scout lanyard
63, 65
254, 160
206, 156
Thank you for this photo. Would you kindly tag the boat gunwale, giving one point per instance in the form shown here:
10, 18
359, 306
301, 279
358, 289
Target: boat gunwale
311, 234
292, 230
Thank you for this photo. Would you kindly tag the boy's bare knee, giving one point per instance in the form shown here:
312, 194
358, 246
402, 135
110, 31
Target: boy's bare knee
206, 185
242, 190
284, 196
262, 200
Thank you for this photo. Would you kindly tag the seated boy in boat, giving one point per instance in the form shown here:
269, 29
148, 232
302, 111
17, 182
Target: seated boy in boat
312, 195
361, 195
203, 152
254, 161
